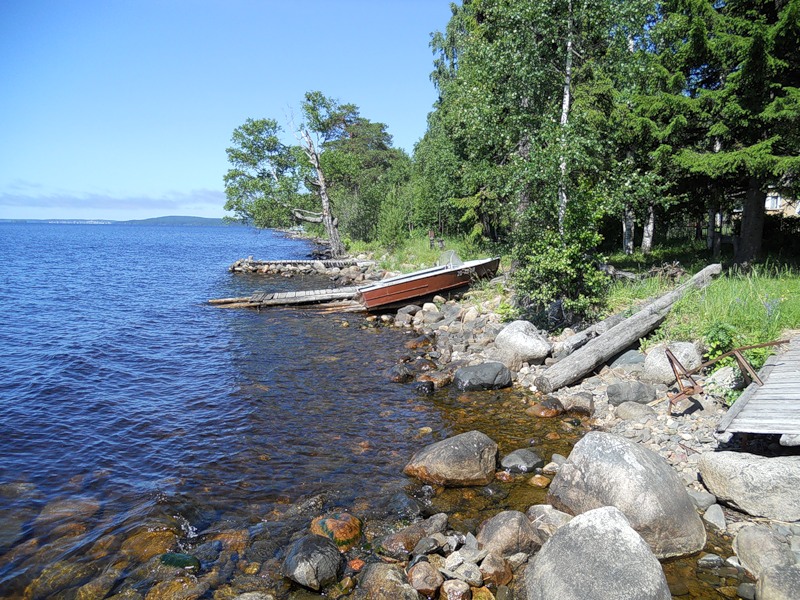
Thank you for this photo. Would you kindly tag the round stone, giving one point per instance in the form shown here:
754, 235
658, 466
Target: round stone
343, 528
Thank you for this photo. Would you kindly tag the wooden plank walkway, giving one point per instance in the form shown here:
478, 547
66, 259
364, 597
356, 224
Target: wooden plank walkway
263, 299
773, 408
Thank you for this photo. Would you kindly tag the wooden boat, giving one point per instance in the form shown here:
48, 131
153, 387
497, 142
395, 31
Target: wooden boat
447, 277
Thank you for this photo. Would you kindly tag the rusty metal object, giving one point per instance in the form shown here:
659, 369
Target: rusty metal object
689, 387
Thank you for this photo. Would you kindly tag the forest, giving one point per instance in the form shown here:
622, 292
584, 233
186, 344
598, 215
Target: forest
563, 130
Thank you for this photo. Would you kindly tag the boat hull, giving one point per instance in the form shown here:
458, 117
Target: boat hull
403, 289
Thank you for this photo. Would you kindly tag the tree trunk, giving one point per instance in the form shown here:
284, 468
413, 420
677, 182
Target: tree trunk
752, 224
649, 229
565, 102
628, 229
328, 220
602, 348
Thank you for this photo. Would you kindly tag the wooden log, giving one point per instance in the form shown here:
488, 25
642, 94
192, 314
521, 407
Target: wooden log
600, 349
566, 347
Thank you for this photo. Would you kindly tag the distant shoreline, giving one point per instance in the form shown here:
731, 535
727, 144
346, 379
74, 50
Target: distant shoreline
159, 221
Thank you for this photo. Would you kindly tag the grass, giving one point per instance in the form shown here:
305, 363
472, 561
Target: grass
736, 309
415, 253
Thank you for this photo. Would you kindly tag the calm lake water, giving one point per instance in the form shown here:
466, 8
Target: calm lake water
129, 406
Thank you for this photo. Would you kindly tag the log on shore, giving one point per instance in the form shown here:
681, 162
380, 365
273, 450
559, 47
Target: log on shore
607, 345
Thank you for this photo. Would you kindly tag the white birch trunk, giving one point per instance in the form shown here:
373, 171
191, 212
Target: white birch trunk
649, 229
331, 227
628, 229
565, 103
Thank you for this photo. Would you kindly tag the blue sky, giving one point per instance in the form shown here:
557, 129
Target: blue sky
115, 109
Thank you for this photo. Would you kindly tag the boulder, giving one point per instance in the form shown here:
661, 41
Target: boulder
486, 376
715, 518
379, 581
759, 548
401, 543
596, 556
630, 391
466, 459
759, 486
496, 570
779, 583
425, 578
313, 561
507, 533
607, 470
520, 342
633, 411
546, 520
523, 460
657, 368
455, 589
581, 403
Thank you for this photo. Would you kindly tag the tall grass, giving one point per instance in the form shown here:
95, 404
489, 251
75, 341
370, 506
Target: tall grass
738, 309
415, 252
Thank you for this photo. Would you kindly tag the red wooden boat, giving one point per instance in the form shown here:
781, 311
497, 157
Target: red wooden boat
453, 275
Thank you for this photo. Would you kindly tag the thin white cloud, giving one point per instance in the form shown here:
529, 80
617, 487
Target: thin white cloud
58, 204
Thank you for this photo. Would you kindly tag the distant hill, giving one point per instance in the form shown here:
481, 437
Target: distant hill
177, 220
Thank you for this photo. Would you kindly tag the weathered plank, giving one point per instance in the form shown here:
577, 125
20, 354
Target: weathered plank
774, 407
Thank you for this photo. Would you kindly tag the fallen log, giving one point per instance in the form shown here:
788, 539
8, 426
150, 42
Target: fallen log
566, 347
599, 350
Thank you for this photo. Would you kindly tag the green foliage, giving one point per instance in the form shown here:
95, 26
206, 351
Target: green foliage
553, 270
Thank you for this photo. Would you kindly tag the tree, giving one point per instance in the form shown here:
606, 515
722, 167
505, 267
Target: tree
739, 62
338, 154
263, 185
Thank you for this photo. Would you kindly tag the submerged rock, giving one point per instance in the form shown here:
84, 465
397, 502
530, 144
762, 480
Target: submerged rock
343, 528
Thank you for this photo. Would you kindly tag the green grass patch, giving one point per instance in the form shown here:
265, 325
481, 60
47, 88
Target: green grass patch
415, 252
738, 309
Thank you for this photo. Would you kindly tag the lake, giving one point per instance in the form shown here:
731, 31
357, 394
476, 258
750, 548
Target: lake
130, 407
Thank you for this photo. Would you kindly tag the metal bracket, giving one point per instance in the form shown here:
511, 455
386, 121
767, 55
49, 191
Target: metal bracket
693, 387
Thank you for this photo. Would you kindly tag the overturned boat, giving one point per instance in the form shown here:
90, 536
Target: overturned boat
449, 276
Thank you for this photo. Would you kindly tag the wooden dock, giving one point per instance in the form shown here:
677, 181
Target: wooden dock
773, 408
344, 296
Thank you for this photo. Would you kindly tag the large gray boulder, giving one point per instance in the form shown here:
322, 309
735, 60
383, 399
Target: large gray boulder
596, 556
507, 533
759, 486
313, 561
630, 391
520, 342
759, 548
657, 368
485, 376
608, 470
779, 583
466, 459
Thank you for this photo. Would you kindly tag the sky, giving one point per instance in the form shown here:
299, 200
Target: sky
123, 109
